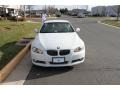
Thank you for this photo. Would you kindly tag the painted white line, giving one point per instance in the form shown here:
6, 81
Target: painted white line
108, 25
51, 17
20, 82
31, 21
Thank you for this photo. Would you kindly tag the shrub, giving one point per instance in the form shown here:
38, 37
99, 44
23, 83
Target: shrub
14, 18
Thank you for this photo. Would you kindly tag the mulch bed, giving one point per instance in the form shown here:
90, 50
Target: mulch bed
24, 41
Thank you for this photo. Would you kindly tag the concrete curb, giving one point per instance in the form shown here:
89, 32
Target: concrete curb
32, 22
12, 64
108, 24
51, 17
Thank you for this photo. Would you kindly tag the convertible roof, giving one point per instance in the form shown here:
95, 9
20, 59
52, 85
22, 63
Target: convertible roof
51, 21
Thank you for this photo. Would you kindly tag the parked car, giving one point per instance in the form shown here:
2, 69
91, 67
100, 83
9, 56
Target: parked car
58, 14
57, 44
81, 15
73, 14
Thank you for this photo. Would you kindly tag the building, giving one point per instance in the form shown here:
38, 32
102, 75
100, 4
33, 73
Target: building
34, 12
111, 11
104, 11
7, 10
99, 11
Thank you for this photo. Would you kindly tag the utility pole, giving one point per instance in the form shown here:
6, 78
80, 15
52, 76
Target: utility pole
24, 9
45, 9
86, 7
29, 7
17, 13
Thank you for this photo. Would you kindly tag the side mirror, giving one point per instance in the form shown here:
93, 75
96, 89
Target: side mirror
36, 30
77, 29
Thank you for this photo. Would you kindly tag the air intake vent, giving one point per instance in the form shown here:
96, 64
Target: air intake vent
64, 52
52, 52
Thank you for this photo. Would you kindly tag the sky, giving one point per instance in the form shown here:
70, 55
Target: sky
70, 7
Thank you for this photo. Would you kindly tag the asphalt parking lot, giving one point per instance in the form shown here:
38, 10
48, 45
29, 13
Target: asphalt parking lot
102, 63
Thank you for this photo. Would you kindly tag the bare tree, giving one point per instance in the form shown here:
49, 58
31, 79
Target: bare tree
118, 12
51, 9
116, 9
24, 10
4, 11
103, 11
86, 7
29, 7
44, 9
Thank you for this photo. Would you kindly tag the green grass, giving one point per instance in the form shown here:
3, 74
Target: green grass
10, 33
112, 22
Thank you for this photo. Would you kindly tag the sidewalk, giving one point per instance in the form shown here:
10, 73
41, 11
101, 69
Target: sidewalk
19, 74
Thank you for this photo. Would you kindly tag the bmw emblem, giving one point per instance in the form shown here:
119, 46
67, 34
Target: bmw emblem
58, 47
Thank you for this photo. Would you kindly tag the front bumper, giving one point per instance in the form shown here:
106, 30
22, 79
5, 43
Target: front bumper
45, 60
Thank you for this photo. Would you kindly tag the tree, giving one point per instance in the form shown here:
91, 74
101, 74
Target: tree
86, 7
103, 11
118, 12
4, 11
29, 7
44, 9
51, 9
64, 11
116, 9
24, 10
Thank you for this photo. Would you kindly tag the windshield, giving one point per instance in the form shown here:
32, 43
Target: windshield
56, 27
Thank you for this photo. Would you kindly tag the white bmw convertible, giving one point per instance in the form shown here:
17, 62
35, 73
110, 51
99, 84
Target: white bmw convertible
57, 44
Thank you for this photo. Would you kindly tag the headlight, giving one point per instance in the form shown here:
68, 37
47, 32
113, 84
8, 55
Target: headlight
37, 50
78, 49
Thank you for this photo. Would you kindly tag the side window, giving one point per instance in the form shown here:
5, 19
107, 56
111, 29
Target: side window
43, 27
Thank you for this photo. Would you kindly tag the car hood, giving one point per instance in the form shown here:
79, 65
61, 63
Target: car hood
59, 40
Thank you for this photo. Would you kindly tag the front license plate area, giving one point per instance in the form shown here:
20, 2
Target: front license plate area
58, 59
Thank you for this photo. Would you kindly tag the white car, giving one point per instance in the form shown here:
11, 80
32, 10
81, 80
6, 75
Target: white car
81, 15
57, 44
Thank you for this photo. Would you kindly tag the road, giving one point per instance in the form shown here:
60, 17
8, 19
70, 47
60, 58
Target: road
102, 63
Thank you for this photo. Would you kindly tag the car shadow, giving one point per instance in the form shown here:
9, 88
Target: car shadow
41, 72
